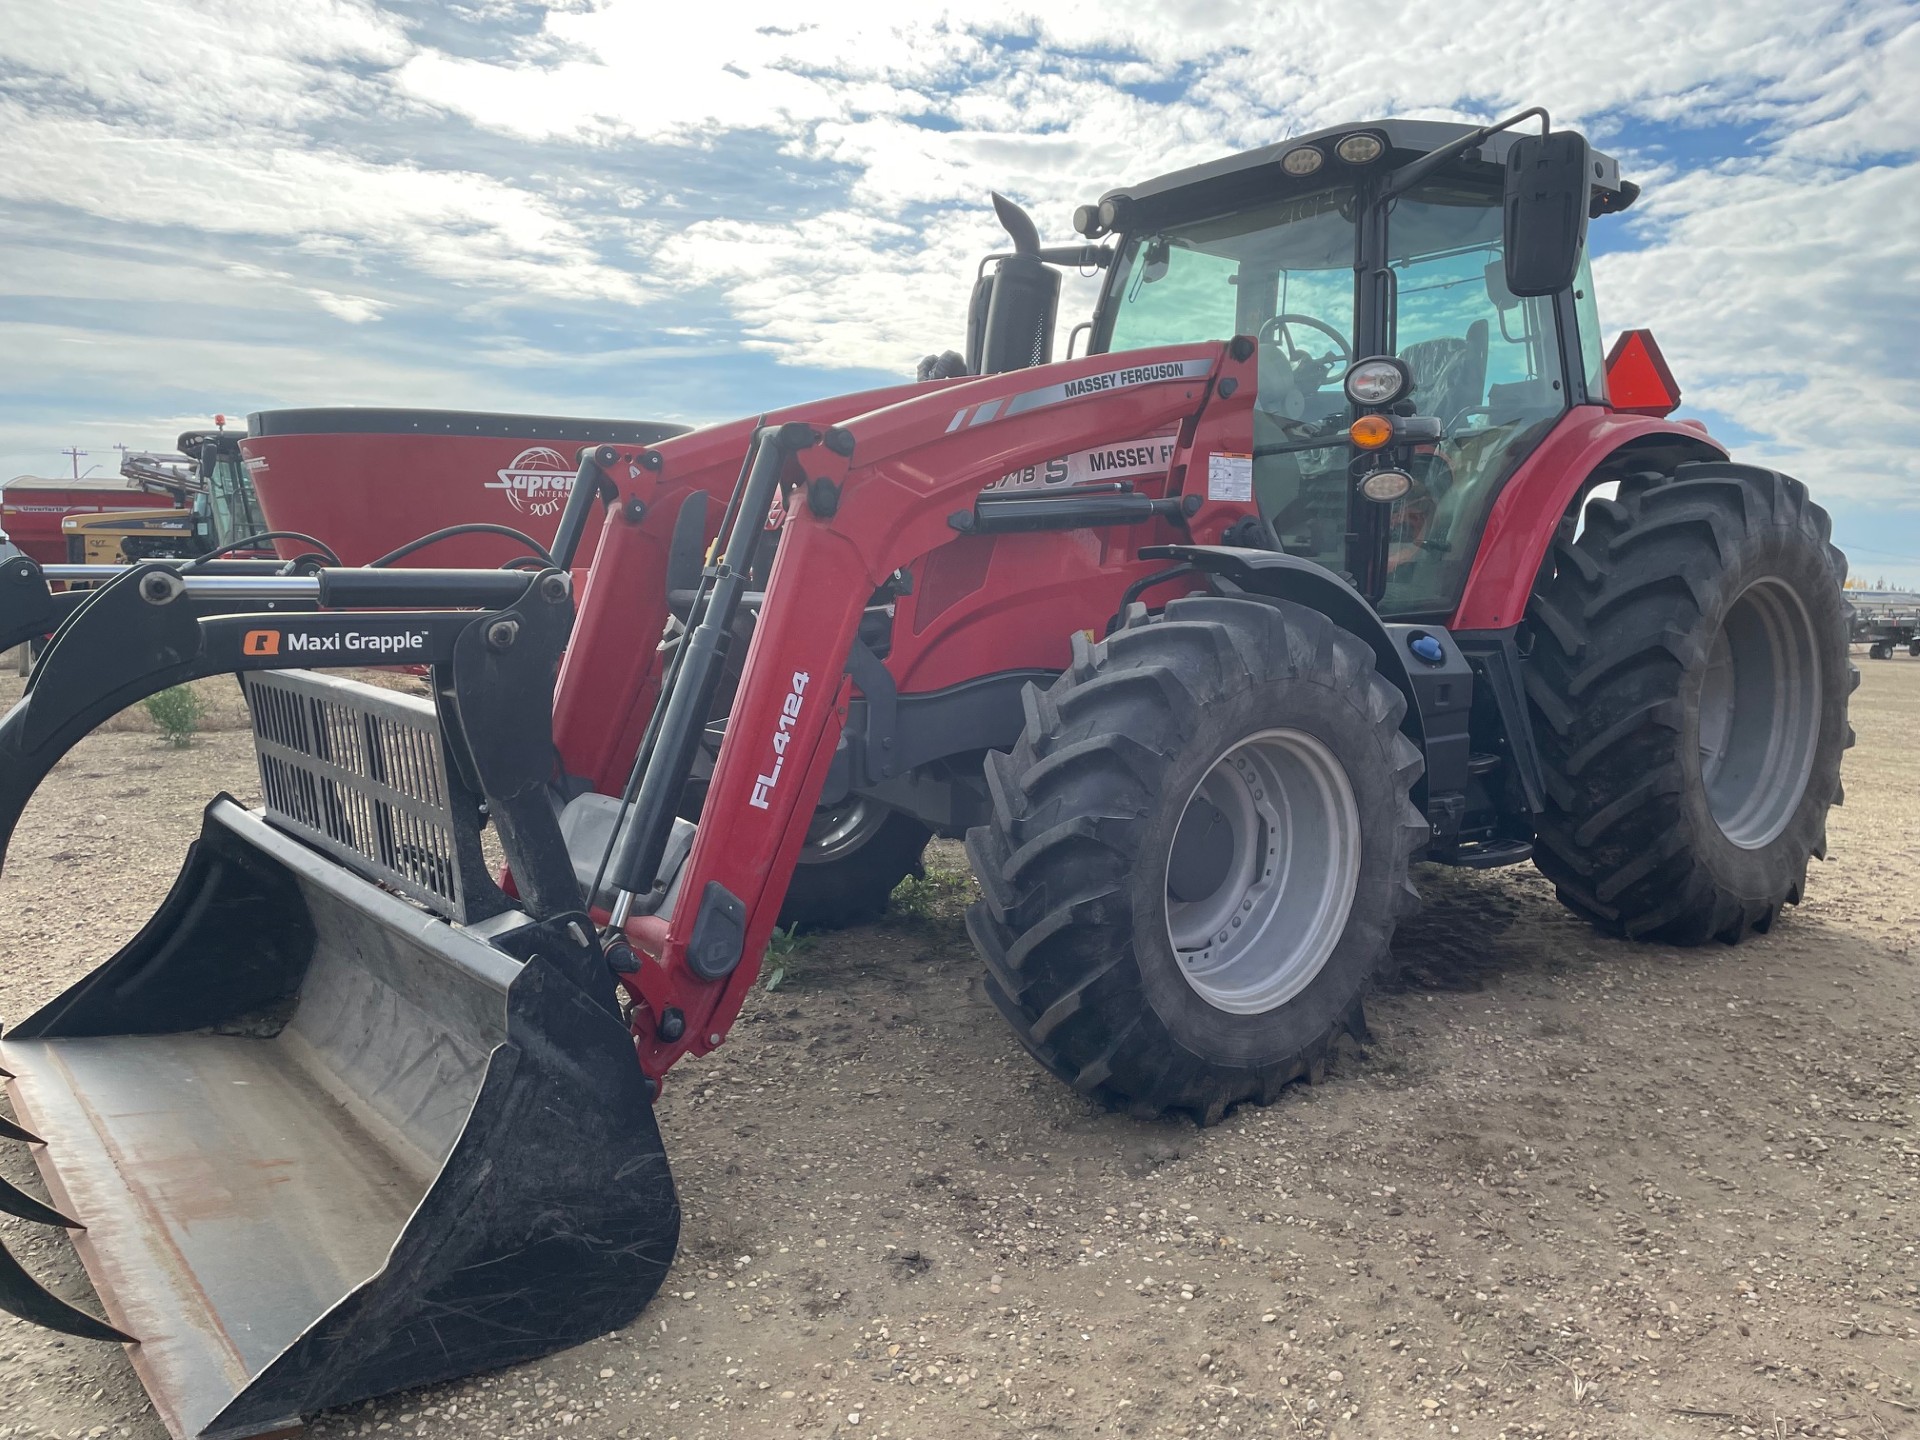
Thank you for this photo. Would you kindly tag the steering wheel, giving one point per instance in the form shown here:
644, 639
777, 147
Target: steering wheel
1275, 332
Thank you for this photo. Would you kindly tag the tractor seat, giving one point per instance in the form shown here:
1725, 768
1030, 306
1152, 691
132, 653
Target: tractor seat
1449, 373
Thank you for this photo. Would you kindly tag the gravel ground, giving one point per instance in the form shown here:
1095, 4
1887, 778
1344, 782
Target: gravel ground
1572, 1188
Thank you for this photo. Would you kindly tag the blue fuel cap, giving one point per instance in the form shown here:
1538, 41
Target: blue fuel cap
1426, 648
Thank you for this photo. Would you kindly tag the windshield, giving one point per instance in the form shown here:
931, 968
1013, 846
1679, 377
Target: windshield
1234, 274
1483, 362
1283, 273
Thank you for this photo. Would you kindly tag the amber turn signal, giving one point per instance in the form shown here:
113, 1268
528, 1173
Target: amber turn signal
1370, 432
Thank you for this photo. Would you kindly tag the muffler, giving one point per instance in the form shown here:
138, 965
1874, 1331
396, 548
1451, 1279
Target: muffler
343, 1118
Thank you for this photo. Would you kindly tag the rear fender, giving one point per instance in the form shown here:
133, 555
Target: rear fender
1588, 447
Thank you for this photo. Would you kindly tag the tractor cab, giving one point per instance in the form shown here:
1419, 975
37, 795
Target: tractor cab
211, 505
1432, 274
1389, 244
226, 509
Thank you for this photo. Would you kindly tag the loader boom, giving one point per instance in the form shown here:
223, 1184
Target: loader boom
608, 683
877, 493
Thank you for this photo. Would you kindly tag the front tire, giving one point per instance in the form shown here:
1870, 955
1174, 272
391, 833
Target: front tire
1689, 684
1197, 854
856, 854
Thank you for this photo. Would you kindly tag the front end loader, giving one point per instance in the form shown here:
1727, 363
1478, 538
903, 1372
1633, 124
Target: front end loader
1359, 563
343, 1117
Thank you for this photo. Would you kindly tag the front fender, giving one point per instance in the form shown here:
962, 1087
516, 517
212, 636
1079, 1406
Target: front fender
1289, 577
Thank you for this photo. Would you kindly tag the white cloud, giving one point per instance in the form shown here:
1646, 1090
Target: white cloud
354, 309
463, 227
1787, 297
215, 65
328, 159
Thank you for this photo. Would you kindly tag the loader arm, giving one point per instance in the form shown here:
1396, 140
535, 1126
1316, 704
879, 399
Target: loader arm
880, 491
611, 673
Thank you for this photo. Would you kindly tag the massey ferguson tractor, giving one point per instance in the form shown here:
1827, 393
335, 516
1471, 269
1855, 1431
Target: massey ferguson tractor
1334, 553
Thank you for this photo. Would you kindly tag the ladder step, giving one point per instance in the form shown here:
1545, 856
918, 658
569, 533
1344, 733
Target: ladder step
1489, 854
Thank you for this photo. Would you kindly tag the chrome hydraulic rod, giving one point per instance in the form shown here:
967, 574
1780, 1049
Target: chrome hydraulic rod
681, 713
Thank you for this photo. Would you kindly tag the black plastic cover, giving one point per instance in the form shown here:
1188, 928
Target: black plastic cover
719, 933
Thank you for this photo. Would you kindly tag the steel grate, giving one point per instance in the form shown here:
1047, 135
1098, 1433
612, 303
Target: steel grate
360, 772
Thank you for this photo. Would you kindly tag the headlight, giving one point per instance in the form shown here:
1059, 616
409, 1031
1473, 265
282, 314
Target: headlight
1303, 161
1380, 380
1386, 486
1359, 149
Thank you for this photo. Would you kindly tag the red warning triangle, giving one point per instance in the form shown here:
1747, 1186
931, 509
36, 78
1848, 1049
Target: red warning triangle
1638, 380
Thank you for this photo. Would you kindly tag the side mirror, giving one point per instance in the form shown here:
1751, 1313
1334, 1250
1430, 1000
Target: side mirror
1547, 183
1497, 291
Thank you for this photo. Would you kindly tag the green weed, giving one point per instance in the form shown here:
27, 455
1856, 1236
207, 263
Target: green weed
783, 960
937, 900
178, 712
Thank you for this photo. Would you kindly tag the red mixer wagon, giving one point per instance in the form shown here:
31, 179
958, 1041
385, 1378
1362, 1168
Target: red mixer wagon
366, 480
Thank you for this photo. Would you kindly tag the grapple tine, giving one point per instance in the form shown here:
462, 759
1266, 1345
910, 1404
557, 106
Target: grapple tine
11, 1131
22, 1295
16, 1202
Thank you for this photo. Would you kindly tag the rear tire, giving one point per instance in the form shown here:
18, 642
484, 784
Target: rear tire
1197, 854
856, 854
1689, 683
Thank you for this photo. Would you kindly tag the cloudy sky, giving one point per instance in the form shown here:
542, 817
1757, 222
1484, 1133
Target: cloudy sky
638, 208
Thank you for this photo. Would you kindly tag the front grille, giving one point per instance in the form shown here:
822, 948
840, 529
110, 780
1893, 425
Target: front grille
361, 772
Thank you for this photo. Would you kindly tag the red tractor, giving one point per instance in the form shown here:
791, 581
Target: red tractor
1330, 556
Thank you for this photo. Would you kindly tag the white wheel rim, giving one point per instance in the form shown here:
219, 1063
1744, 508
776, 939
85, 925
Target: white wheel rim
1261, 874
1759, 722
840, 830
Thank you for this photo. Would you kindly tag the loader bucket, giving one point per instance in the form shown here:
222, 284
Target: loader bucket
326, 1144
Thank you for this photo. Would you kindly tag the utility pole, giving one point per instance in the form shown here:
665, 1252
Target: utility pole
77, 455
123, 449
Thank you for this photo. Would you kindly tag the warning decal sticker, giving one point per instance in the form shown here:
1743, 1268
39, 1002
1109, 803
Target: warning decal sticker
1230, 477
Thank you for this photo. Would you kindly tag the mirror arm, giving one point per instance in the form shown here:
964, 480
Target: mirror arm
1097, 257
1407, 176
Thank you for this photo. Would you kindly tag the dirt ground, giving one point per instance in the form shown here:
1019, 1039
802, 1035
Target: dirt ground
1573, 1187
